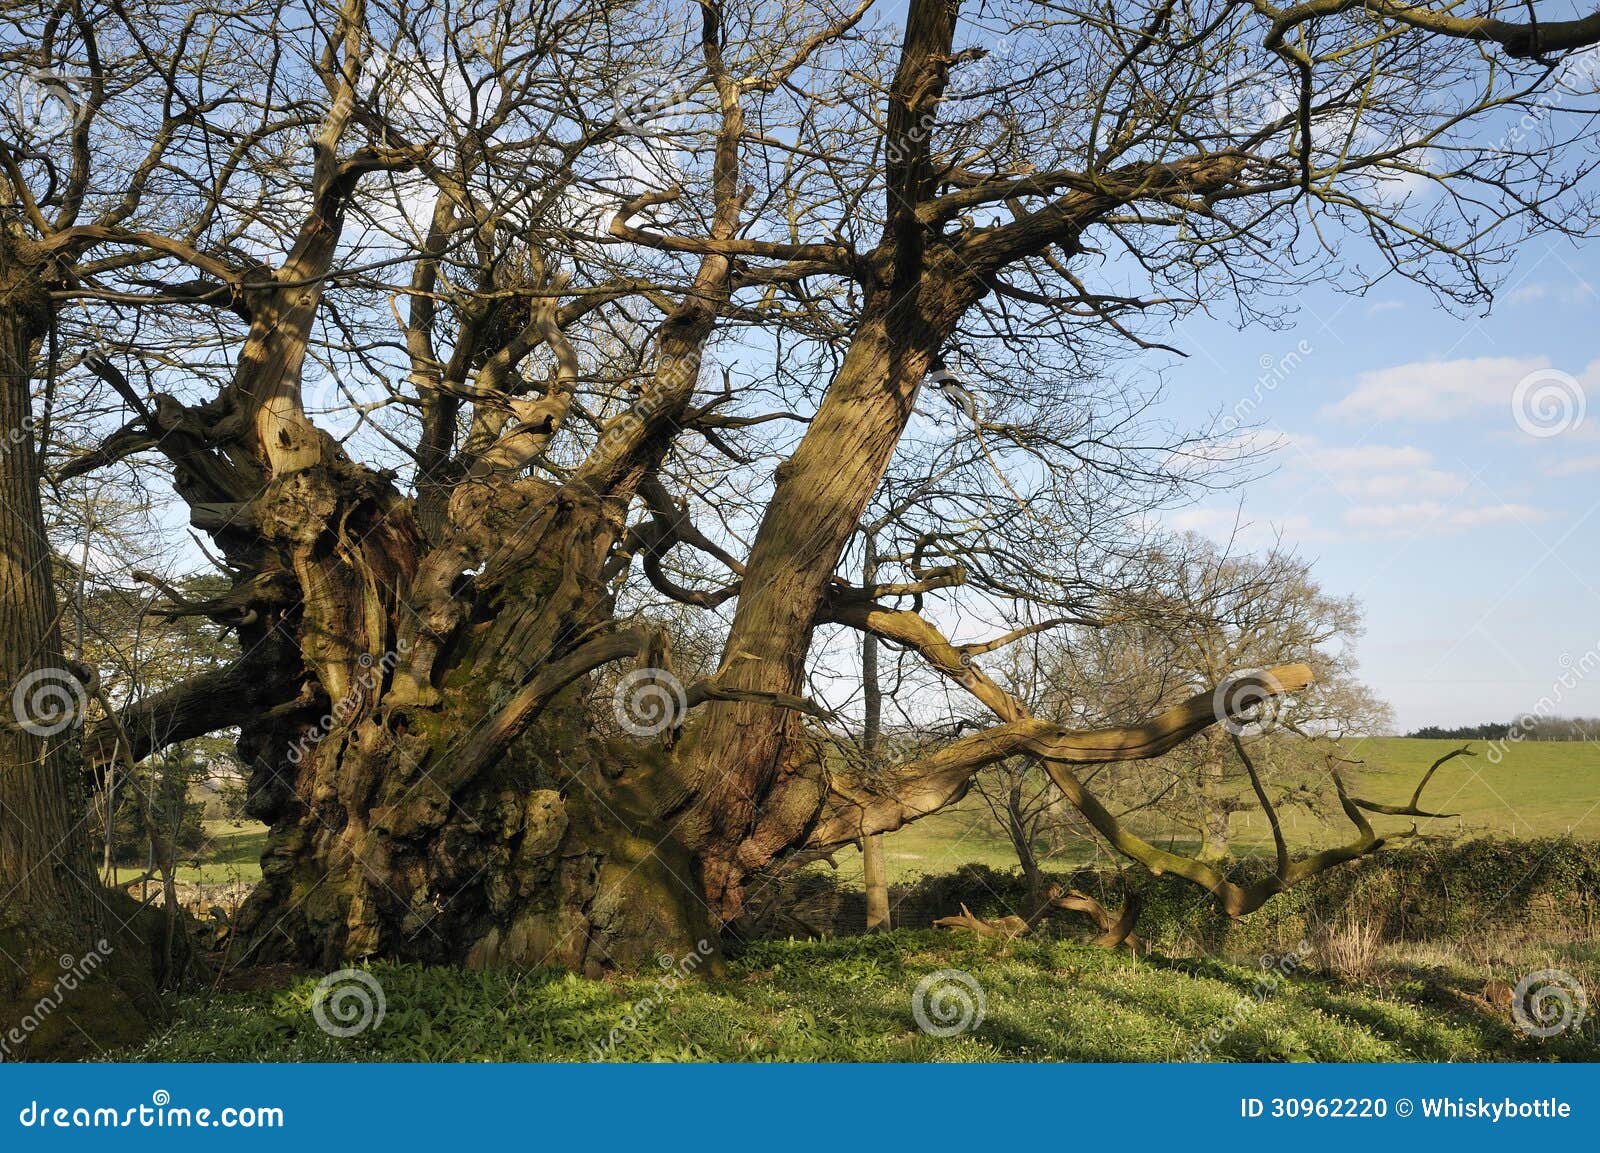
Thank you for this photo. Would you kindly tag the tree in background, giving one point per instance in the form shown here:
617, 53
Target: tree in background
1202, 614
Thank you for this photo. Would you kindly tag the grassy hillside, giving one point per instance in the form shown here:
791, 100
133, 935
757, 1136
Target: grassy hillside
852, 1000
1539, 788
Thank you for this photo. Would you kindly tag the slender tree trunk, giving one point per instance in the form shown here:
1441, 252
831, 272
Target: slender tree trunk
761, 789
1214, 810
1017, 830
873, 866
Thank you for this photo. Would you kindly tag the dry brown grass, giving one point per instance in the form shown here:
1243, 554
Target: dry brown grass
1349, 945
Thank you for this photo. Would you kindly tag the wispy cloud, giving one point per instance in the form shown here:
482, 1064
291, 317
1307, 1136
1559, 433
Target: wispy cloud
1434, 517
1574, 466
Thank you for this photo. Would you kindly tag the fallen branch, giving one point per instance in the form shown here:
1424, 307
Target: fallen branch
1009, 926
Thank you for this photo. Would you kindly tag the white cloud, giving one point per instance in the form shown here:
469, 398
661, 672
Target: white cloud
1575, 293
1525, 398
1435, 390
1375, 472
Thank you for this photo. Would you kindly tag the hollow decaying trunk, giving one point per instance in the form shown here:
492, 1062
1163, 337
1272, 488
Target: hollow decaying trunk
552, 857
403, 826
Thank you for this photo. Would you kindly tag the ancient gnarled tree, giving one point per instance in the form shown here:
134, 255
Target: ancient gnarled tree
478, 344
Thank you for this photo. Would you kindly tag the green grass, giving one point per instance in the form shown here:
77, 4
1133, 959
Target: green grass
1538, 789
852, 1000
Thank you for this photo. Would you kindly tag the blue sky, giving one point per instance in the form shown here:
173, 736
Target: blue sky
1402, 470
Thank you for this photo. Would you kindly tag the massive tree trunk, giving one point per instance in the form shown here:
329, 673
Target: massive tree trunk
454, 801
74, 972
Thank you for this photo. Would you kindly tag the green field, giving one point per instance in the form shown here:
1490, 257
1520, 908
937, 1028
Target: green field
1538, 789
853, 999
231, 853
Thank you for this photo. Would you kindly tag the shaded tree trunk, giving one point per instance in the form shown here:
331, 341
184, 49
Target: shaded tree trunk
1021, 842
52, 907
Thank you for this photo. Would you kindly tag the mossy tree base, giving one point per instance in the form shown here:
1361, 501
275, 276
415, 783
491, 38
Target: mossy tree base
65, 996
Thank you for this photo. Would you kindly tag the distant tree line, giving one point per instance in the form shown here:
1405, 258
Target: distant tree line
1532, 729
